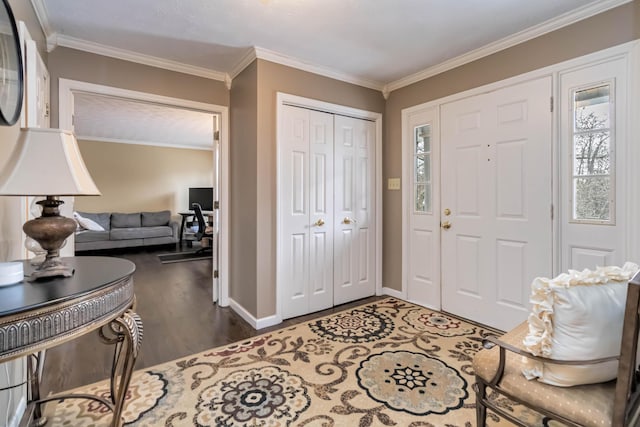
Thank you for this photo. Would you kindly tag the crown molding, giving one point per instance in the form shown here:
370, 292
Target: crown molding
127, 55
561, 21
43, 17
279, 58
244, 62
269, 55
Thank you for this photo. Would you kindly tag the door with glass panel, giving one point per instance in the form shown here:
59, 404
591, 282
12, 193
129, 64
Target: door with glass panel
496, 201
593, 154
422, 173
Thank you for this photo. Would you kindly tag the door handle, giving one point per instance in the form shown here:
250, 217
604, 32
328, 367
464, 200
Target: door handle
348, 220
319, 223
446, 225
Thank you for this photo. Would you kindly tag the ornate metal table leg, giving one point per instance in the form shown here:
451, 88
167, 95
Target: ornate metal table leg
126, 333
33, 374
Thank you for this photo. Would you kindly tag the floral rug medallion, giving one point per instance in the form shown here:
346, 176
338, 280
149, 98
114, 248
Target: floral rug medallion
388, 363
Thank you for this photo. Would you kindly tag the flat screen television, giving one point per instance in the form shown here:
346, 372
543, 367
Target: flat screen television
203, 196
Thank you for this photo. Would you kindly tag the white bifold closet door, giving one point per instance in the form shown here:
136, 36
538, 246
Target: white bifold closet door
325, 238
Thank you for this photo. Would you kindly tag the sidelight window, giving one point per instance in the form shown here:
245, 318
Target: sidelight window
422, 169
592, 155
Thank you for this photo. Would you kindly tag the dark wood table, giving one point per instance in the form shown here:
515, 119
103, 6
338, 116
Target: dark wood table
38, 315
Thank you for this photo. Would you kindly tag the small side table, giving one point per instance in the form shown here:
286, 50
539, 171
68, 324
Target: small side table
38, 315
185, 216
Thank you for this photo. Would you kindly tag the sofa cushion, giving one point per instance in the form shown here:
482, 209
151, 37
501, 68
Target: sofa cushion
140, 232
91, 236
154, 219
125, 220
103, 218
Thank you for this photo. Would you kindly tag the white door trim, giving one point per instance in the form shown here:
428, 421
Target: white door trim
65, 121
630, 50
298, 101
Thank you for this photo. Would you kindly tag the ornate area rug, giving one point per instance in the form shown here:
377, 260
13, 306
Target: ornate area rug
383, 364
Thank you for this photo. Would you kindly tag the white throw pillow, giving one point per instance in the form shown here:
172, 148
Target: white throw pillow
86, 223
577, 316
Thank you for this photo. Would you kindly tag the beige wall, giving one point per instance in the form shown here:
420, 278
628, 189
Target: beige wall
259, 288
608, 29
243, 188
135, 178
88, 67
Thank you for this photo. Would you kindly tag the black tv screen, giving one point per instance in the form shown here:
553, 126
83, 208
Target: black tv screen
203, 196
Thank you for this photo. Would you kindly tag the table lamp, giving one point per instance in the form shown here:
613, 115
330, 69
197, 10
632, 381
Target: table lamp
47, 162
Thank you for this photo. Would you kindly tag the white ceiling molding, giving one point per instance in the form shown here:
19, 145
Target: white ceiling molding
138, 58
507, 42
269, 55
244, 62
43, 17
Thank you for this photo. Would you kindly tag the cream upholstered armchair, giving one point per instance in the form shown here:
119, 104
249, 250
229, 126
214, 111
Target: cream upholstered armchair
612, 403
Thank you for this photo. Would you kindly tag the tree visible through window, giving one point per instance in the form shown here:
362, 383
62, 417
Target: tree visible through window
592, 160
422, 168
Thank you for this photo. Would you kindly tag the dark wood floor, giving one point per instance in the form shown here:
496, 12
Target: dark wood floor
174, 301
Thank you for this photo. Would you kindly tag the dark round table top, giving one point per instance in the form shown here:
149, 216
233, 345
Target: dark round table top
92, 273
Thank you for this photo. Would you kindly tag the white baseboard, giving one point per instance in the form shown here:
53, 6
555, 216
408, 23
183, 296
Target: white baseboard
394, 293
250, 319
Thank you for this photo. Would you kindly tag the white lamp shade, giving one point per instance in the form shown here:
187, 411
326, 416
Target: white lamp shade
46, 162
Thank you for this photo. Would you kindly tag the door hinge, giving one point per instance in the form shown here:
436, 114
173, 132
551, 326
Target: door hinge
215, 274
216, 205
551, 104
551, 212
216, 135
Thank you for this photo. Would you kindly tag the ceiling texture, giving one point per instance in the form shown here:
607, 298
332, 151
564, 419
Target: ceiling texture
379, 44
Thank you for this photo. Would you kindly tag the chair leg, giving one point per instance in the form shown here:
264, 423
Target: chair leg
481, 410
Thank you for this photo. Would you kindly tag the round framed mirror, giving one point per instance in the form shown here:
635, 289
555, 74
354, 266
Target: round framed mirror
11, 78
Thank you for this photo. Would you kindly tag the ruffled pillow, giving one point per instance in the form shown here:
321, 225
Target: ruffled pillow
86, 223
577, 316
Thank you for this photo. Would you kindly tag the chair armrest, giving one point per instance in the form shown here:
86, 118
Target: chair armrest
490, 342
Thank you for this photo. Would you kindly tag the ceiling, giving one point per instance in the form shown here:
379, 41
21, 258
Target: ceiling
375, 43
380, 44
113, 119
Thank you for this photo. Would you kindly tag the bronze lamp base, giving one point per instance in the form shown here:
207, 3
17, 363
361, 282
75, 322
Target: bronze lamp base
50, 230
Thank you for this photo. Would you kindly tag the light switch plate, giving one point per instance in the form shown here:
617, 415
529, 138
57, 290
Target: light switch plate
393, 184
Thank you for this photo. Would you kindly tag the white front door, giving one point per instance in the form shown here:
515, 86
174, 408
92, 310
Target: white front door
354, 222
306, 216
496, 183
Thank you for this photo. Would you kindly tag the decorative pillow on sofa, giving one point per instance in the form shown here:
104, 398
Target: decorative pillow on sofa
102, 218
577, 316
87, 223
156, 219
125, 220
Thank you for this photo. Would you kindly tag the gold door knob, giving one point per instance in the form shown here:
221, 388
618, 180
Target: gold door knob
446, 225
319, 223
348, 220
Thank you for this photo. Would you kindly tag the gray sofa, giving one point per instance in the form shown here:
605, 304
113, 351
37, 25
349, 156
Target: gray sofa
123, 230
